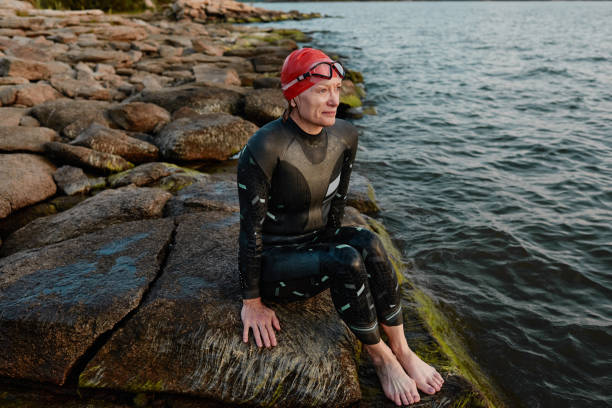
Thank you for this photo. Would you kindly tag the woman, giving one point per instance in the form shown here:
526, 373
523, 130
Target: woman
293, 178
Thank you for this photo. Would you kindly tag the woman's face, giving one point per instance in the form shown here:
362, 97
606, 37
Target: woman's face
316, 107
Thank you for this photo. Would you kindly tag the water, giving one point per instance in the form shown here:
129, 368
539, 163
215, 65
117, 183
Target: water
492, 159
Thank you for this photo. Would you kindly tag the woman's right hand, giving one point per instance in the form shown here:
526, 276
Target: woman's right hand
261, 319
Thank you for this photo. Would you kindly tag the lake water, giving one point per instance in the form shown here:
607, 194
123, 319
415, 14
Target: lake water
491, 155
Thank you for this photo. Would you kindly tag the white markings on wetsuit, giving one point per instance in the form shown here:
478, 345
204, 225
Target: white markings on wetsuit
254, 200
365, 329
271, 216
392, 315
242, 186
345, 307
361, 290
337, 231
323, 279
282, 284
297, 293
333, 186
350, 286
391, 306
276, 292
342, 246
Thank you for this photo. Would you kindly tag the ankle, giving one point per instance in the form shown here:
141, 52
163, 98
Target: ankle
379, 352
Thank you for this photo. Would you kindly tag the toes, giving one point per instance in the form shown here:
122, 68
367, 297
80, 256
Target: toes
405, 399
416, 397
397, 400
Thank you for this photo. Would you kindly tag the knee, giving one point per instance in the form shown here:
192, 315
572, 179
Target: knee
349, 258
372, 243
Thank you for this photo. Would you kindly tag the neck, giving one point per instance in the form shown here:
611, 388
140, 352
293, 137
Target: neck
305, 126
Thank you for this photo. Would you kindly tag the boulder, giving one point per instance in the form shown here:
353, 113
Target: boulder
79, 88
266, 82
139, 116
28, 69
202, 99
13, 81
211, 195
268, 62
25, 179
29, 121
116, 142
72, 180
148, 173
12, 116
27, 94
113, 58
85, 157
16, 5
205, 46
211, 136
264, 105
210, 73
186, 336
105, 208
121, 33
71, 117
361, 195
30, 139
58, 300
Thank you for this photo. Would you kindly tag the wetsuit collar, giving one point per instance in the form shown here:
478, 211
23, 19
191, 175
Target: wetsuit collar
298, 129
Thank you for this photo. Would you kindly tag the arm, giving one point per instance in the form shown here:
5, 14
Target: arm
336, 211
253, 190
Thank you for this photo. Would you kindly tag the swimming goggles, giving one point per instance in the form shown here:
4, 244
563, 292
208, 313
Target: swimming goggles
320, 70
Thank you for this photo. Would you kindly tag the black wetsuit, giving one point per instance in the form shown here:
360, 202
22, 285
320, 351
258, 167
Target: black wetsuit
292, 188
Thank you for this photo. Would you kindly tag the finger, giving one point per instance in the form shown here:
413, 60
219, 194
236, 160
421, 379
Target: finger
275, 322
245, 334
272, 336
264, 334
256, 336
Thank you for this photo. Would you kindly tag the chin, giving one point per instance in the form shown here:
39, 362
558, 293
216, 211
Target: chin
328, 121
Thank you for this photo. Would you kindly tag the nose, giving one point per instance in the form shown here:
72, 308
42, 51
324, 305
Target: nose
334, 97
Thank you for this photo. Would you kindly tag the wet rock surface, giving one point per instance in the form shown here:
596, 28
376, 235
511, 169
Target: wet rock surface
264, 105
190, 326
139, 116
57, 300
361, 195
209, 195
97, 212
85, 157
72, 180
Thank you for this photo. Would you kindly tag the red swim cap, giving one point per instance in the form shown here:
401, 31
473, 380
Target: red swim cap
298, 63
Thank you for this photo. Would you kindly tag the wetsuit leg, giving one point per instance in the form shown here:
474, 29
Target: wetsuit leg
298, 272
381, 275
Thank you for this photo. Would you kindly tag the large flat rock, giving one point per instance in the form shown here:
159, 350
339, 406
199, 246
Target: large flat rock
85, 157
104, 209
211, 136
71, 116
25, 179
209, 195
186, 337
202, 99
57, 300
29, 139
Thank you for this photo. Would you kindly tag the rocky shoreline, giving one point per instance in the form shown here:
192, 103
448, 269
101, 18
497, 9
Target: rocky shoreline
118, 269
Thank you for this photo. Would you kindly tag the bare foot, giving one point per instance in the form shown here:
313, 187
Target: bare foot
426, 377
398, 387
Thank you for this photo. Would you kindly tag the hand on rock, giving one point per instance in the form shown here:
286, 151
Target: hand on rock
262, 320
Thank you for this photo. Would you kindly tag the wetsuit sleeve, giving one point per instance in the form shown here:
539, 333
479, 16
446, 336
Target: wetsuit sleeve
336, 211
253, 190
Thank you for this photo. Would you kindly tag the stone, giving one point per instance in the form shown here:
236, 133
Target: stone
16, 5
361, 195
63, 112
186, 336
168, 51
268, 63
116, 142
13, 81
139, 116
58, 300
28, 69
121, 33
29, 121
106, 208
25, 179
85, 157
12, 116
210, 136
79, 88
264, 105
210, 195
148, 173
19, 138
114, 58
266, 82
202, 99
35, 94
210, 73
178, 181
207, 47
72, 180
